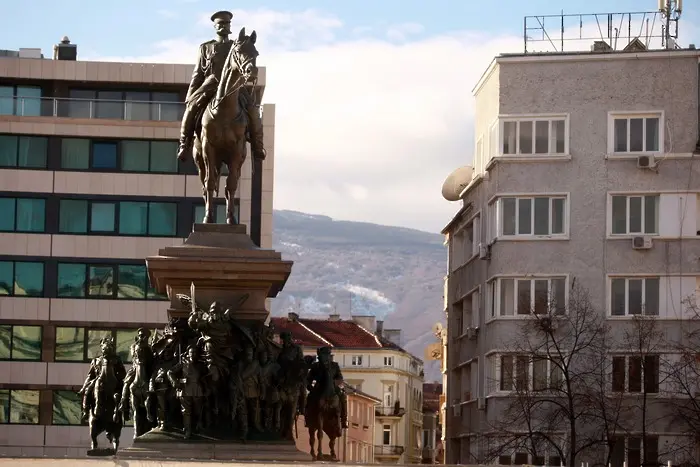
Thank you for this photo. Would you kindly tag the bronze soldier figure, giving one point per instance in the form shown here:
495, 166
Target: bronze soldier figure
185, 377
203, 87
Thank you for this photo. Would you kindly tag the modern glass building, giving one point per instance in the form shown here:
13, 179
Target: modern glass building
89, 187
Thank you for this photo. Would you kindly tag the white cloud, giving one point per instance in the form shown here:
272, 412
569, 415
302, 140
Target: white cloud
361, 118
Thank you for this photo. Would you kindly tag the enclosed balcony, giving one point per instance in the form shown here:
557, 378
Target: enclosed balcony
392, 411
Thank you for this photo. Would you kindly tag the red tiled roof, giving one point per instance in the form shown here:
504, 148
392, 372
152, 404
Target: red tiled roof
301, 335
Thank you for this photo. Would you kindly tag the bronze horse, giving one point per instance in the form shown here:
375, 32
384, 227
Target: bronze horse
323, 412
221, 137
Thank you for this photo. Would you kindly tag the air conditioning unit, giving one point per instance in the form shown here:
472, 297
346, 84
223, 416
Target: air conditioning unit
642, 242
481, 404
484, 251
646, 162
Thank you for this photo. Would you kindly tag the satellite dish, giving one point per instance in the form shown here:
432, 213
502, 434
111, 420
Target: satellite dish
456, 182
437, 328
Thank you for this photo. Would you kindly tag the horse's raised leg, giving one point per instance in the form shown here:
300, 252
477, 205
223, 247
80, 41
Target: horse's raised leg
319, 434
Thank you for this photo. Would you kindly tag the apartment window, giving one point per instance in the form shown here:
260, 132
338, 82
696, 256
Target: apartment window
67, 408
356, 360
636, 214
128, 105
525, 372
219, 212
525, 458
149, 156
20, 342
22, 215
22, 278
531, 216
19, 406
388, 361
386, 435
470, 312
635, 133
75, 344
20, 100
24, 152
75, 153
111, 281
631, 450
104, 155
636, 374
534, 136
524, 296
125, 217
634, 296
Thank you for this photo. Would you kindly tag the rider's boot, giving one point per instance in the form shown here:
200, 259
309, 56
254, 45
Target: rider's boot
186, 131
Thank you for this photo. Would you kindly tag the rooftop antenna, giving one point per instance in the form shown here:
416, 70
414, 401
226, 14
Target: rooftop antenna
671, 11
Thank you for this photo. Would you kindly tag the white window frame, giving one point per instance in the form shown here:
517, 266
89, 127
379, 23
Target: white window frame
623, 115
628, 196
496, 214
627, 280
627, 357
530, 369
356, 360
494, 295
388, 360
518, 119
386, 429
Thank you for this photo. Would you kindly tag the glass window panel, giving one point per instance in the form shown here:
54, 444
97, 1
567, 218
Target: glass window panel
617, 297
166, 106
133, 218
651, 299
163, 157
153, 294
525, 137
73, 216
541, 296
634, 373
33, 151
104, 155
620, 130
6, 277
93, 343
28, 101
198, 214
26, 342
75, 154
7, 220
102, 217
558, 215
542, 137
524, 216
651, 374
8, 150
24, 406
558, 144
132, 281
162, 219
652, 134
619, 214
509, 135
29, 279
558, 295
101, 281
634, 296
109, 104
140, 108
135, 155
125, 337
71, 280
524, 302
618, 374
539, 374
651, 214
508, 216
636, 134
507, 297
4, 406
31, 215
5, 342
7, 100
81, 104
67, 408
542, 216
70, 344
635, 214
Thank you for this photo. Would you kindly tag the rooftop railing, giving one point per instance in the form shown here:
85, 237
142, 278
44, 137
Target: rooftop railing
92, 108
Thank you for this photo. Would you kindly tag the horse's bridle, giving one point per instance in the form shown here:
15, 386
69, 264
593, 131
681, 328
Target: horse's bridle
244, 76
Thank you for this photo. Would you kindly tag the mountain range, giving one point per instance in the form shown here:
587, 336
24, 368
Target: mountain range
358, 268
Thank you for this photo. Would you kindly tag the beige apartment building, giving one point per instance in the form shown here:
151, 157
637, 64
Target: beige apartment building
90, 186
374, 363
585, 178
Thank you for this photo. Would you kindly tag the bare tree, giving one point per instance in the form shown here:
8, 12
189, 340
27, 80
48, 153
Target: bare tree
556, 369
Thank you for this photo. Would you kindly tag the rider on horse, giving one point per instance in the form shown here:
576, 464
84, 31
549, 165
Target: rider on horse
326, 364
204, 84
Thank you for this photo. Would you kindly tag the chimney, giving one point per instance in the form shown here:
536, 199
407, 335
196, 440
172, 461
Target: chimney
334, 317
393, 335
65, 50
380, 328
292, 316
367, 322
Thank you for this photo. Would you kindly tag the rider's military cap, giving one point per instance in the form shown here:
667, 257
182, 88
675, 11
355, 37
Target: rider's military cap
225, 15
324, 350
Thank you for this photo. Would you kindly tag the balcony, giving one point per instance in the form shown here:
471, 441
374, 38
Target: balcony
387, 450
92, 109
390, 411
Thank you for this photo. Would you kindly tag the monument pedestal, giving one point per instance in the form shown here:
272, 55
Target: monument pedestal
223, 263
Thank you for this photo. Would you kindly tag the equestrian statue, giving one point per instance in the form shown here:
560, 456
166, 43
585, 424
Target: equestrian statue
221, 113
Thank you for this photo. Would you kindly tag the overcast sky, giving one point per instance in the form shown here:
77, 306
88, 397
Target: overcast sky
374, 103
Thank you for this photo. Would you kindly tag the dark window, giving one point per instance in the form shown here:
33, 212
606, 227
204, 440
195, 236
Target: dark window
129, 105
80, 105
22, 278
163, 157
23, 151
20, 342
110, 281
67, 408
19, 406
149, 156
73, 216
166, 106
102, 217
135, 156
148, 218
22, 215
109, 104
137, 105
104, 155
83, 344
75, 154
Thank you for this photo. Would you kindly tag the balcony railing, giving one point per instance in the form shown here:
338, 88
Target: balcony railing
389, 411
92, 108
387, 450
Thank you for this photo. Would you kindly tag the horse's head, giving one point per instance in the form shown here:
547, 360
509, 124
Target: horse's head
244, 54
